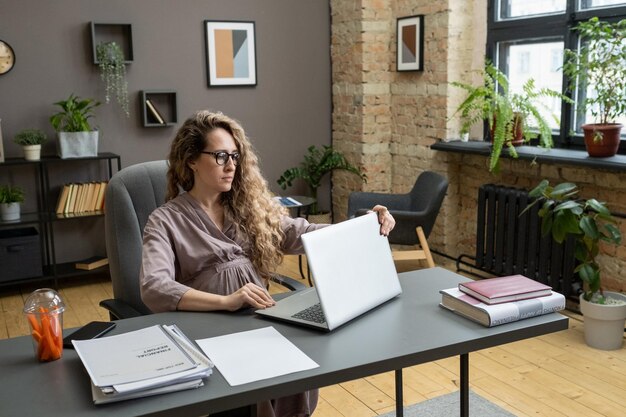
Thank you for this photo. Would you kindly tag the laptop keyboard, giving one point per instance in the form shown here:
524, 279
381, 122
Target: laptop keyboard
313, 313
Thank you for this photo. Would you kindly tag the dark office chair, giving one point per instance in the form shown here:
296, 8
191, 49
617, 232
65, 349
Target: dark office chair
415, 213
132, 194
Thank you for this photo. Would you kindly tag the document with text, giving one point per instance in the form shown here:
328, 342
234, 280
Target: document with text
254, 355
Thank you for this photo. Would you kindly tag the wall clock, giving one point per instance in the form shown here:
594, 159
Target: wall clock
7, 57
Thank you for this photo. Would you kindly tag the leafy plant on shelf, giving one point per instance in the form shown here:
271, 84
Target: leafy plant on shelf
589, 222
74, 115
506, 112
11, 194
29, 137
317, 163
113, 73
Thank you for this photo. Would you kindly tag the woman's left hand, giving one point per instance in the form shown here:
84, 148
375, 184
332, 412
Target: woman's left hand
385, 219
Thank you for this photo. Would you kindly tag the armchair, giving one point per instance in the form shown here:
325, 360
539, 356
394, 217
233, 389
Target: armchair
132, 194
415, 213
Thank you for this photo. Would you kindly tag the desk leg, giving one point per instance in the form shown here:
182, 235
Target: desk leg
464, 391
399, 400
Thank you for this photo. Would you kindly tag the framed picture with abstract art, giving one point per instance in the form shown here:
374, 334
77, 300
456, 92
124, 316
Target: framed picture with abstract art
230, 53
410, 41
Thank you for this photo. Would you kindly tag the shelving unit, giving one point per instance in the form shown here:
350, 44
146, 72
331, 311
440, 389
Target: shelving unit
45, 218
121, 33
158, 107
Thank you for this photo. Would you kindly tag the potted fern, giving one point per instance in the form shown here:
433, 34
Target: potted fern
513, 118
113, 73
76, 136
31, 141
589, 222
10, 199
317, 163
598, 70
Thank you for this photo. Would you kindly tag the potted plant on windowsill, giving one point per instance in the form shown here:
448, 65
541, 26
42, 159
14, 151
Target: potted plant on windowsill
589, 222
31, 141
10, 199
317, 163
513, 118
76, 137
113, 73
598, 71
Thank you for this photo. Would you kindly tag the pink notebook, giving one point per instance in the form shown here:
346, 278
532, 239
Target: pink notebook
505, 289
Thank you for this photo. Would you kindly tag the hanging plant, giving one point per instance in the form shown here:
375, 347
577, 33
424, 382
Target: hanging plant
113, 73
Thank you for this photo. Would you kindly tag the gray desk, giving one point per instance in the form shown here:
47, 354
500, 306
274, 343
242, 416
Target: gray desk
408, 330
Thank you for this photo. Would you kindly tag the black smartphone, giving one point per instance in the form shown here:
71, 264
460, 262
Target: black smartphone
88, 331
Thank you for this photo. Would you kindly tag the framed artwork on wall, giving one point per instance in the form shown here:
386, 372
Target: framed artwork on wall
410, 43
230, 53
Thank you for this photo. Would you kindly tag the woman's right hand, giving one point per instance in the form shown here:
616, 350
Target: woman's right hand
249, 295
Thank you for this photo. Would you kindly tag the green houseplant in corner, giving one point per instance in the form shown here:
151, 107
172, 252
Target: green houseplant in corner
589, 222
513, 118
113, 73
76, 136
10, 199
598, 71
31, 141
317, 163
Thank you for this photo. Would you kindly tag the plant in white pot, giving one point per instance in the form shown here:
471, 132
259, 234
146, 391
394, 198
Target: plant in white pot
10, 199
31, 141
597, 72
317, 163
589, 222
76, 137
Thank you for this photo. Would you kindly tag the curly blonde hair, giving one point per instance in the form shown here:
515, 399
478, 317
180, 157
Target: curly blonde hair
249, 201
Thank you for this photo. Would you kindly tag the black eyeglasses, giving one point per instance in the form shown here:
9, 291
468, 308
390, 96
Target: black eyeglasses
221, 157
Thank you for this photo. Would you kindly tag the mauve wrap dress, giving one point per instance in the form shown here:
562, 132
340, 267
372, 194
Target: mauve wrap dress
184, 249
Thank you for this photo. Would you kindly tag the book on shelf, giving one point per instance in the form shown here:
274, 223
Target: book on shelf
100, 200
71, 199
495, 314
92, 263
154, 112
505, 289
140, 363
62, 199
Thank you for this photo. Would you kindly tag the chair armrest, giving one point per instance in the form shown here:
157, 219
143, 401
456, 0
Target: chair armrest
289, 283
119, 309
367, 200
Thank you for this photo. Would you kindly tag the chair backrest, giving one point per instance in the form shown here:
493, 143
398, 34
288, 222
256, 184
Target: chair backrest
132, 194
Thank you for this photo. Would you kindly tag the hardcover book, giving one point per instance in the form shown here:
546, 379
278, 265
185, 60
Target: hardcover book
505, 289
92, 263
496, 314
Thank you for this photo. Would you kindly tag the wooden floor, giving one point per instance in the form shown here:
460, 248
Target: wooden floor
553, 375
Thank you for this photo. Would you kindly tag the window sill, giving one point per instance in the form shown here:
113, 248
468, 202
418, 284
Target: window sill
550, 156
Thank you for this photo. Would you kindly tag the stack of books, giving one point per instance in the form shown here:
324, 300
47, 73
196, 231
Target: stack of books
495, 301
81, 198
150, 361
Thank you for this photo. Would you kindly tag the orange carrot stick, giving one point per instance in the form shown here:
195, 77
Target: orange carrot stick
33, 323
48, 337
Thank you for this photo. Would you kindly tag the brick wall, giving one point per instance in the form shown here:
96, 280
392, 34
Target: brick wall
385, 121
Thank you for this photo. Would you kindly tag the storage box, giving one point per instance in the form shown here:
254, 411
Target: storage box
20, 254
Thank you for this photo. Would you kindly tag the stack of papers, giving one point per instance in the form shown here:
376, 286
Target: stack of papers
145, 362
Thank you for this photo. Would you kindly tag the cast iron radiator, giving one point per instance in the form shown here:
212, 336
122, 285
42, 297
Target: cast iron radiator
509, 242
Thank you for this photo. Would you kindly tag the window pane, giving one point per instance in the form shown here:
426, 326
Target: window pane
510, 9
542, 62
596, 4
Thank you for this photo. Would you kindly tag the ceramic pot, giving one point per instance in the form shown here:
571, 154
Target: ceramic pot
609, 144
518, 135
604, 323
9, 212
32, 152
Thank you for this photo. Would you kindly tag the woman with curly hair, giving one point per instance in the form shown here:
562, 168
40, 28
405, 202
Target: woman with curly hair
220, 234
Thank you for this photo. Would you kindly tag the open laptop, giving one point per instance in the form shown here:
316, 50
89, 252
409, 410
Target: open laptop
353, 272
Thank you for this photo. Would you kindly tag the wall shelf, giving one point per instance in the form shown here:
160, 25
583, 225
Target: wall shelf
158, 107
120, 33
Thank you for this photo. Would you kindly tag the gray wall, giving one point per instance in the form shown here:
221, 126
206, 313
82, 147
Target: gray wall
288, 110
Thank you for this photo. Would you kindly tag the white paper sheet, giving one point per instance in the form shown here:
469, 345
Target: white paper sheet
254, 355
